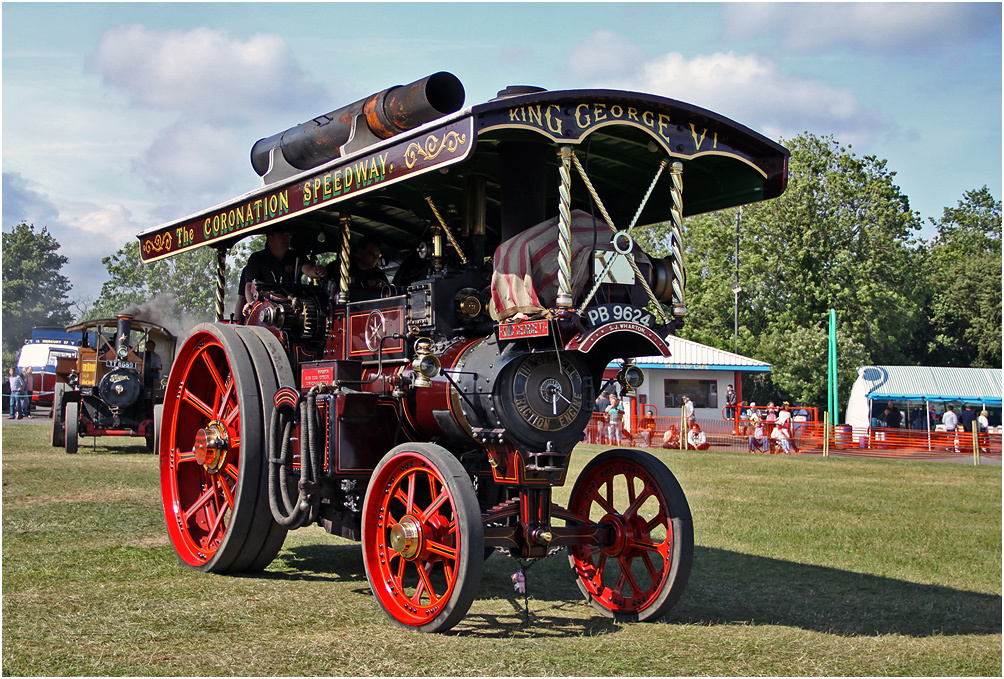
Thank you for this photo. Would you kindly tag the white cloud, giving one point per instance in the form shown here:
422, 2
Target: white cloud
879, 27
109, 224
205, 74
195, 159
22, 203
85, 232
605, 55
748, 88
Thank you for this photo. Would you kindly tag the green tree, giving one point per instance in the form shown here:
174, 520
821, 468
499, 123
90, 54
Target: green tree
34, 290
964, 284
842, 236
176, 292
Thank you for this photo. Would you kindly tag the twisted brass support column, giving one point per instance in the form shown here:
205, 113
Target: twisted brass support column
676, 214
221, 281
446, 230
564, 299
343, 264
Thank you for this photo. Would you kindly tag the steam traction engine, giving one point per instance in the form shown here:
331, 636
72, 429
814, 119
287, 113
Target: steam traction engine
432, 418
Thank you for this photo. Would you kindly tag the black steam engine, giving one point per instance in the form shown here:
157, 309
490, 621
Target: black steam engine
430, 416
113, 385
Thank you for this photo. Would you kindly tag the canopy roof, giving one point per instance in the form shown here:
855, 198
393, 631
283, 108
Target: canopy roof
621, 138
921, 383
685, 354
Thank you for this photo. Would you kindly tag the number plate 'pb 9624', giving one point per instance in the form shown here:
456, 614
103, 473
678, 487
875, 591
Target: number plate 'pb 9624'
521, 330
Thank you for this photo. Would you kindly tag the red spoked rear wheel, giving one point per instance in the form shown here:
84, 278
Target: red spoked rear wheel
423, 541
213, 484
641, 567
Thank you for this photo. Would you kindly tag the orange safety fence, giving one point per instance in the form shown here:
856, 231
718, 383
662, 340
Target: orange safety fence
807, 437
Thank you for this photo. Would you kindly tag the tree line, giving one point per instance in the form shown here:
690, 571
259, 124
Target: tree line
842, 236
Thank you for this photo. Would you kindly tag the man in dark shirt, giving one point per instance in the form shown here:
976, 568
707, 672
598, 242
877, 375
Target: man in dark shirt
893, 419
274, 264
966, 419
364, 270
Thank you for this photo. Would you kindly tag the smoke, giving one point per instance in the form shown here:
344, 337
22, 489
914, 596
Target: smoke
164, 311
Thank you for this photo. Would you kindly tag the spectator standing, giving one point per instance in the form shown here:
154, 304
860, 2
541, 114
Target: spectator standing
688, 407
730, 403
893, 419
16, 381
615, 417
966, 419
770, 418
951, 422
602, 401
983, 423
29, 388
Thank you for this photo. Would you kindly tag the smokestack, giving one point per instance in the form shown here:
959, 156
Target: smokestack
122, 335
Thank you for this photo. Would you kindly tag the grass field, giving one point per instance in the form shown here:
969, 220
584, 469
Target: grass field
803, 566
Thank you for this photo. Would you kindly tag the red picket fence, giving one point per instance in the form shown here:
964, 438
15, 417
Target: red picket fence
808, 438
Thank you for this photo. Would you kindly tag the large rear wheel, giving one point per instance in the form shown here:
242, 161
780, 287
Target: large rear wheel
642, 565
211, 453
423, 542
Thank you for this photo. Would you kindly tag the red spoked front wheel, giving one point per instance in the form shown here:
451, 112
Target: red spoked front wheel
641, 566
213, 484
423, 541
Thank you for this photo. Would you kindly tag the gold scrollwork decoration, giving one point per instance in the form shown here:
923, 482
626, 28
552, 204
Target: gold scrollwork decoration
433, 147
159, 243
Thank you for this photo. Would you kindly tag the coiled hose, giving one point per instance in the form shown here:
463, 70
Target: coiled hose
302, 511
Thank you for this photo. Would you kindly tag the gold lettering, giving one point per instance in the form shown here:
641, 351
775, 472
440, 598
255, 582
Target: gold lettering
663, 124
582, 120
513, 115
600, 112
697, 141
205, 229
306, 193
647, 118
338, 183
553, 124
535, 114
284, 202
327, 186
616, 111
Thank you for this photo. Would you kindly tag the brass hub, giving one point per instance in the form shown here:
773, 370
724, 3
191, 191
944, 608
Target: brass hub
211, 446
406, 537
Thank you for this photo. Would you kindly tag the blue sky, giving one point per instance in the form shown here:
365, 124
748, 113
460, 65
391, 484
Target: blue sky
121, 116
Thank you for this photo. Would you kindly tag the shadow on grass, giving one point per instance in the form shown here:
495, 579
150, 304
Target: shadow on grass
728, 588
725, 588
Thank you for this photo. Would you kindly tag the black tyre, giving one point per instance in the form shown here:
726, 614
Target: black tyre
212, 453
57, 435
70, 429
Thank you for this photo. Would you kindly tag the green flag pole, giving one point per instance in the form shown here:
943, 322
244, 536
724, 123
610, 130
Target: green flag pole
832, 366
